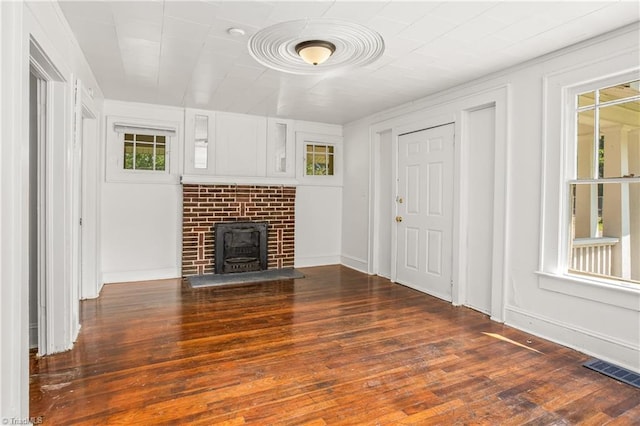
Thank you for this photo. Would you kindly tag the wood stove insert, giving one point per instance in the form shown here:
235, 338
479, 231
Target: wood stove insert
240, 247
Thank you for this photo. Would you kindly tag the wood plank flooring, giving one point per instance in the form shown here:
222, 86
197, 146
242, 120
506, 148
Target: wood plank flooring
335, 348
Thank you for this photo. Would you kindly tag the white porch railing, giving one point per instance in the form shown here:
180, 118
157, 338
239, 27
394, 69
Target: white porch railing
592, 255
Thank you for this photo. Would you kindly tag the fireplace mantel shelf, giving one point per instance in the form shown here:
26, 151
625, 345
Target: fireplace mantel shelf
237, 180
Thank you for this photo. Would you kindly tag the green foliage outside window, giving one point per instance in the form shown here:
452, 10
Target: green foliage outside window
144, 152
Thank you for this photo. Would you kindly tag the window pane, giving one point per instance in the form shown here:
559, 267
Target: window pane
620, 91
320, 160
320, 149
200, 157
620, 129
586, 99
585, 152
128, 155
160, 157
128, 137
202, 127
310, 164
281, 147
606, 230
161, 139
145, 138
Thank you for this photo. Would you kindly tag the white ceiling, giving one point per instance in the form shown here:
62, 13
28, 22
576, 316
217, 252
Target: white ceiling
179, 52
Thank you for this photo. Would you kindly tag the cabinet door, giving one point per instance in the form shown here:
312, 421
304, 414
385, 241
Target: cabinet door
199, 147
240, 145
280, 148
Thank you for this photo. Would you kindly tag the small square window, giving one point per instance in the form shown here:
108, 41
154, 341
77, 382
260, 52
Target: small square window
144, 152
319, 160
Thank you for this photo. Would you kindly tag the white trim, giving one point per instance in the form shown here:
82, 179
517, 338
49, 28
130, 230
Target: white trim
612, 293
237, 180
114, 159
14, 272
617, 351
354, 263
141, 129
308, 261
141, 275
304, 138
91, 191
439, 114
558, 163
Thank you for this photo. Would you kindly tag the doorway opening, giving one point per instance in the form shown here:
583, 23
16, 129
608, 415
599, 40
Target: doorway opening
37, 133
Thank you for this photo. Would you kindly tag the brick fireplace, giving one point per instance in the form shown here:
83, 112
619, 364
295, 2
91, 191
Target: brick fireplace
205, 205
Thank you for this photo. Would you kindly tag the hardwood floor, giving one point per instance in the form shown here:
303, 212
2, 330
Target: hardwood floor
337, 347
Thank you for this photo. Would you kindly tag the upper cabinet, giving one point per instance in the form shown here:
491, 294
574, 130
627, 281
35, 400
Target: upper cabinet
280, 148
240, 148
199, 148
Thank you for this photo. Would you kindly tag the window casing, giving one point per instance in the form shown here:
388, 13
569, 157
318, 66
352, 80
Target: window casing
319, 159
604, 185
142, 150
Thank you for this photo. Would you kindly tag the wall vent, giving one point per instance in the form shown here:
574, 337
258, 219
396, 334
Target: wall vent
621, 374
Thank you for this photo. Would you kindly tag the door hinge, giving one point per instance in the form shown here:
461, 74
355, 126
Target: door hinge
80, 221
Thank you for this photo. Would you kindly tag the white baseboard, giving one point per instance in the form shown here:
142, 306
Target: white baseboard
305, 262
622, 353
359, 265
142, 275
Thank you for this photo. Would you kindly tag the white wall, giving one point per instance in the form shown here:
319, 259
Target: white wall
608, 327
318, 208
141, 221
318, 225
355, 209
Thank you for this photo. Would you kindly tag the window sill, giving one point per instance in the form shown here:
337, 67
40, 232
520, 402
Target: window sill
611, 293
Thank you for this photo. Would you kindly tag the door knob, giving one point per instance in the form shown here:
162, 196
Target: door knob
398, 218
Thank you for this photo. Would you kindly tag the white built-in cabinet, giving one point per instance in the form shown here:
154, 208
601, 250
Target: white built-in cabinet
280, 148
200, 147
229, 147
241, 148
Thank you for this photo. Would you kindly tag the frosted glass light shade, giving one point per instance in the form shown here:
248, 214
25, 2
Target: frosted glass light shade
315, 52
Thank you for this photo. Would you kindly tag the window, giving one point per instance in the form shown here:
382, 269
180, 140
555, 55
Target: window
604, 190
280, 142
201, 142
319, 160
144, 152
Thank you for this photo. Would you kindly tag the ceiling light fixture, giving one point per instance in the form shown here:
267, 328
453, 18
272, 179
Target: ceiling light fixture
315, 52
293, 45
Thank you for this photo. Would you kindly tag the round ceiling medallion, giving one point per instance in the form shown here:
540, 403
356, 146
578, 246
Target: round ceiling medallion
355, 45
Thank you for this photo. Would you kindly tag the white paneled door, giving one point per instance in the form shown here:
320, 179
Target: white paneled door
424, 217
